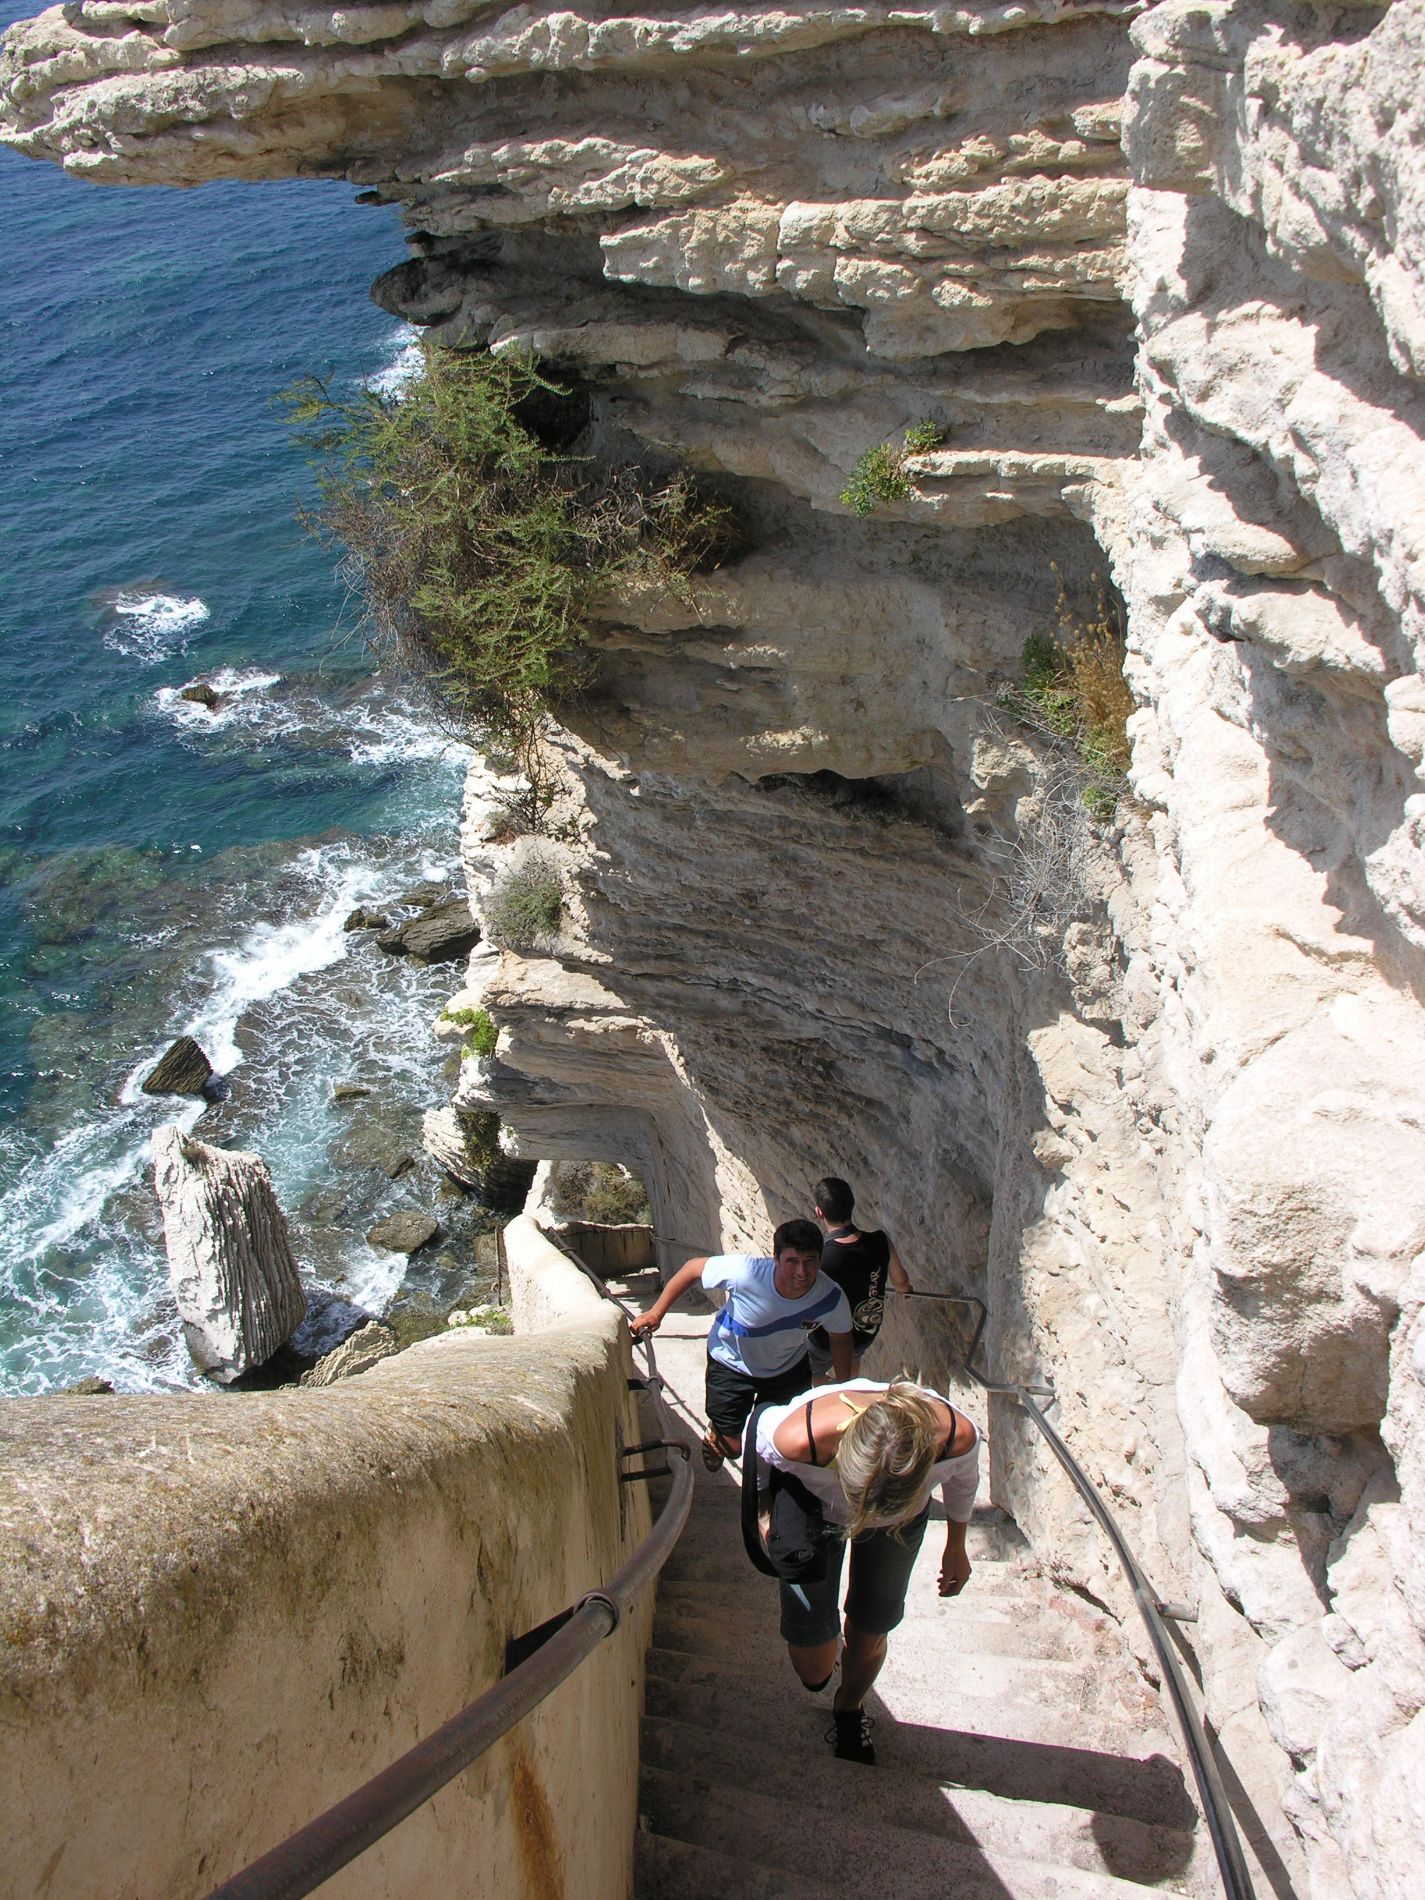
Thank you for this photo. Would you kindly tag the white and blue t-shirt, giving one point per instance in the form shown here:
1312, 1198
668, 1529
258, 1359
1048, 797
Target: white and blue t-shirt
758, 1332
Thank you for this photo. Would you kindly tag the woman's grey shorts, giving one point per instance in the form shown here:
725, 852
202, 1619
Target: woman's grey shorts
881, 1563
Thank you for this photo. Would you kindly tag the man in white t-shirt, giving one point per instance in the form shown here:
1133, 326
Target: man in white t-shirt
757, 1344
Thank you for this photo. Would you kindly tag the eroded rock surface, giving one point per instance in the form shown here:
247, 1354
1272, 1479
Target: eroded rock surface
230, 1262
1151, 1087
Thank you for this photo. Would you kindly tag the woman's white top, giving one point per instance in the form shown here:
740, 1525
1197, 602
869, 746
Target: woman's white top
958, 1477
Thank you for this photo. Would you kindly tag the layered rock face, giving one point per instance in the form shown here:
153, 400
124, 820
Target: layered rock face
1151, 1086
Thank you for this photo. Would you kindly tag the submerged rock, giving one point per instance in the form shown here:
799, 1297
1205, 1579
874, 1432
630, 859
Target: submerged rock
405, 1232
349, 1091
183, 1070
364, 1349
230, 1262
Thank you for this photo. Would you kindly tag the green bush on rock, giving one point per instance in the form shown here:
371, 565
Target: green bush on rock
525, 909
1073, 692
880, 476
483, 1034
477, 549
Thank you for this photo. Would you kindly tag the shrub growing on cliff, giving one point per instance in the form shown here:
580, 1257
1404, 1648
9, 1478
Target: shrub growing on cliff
479, 550
880, 476
600, 1191
524, 910
1073, 690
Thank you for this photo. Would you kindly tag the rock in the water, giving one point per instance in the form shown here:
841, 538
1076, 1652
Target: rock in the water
430, 892
438, 935
404, 1232
363, 1350
86, 1388
183, 1070
230, 1262
202, 694
363, 919
349, 1092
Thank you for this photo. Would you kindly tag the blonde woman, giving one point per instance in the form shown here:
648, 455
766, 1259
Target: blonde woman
872, 1453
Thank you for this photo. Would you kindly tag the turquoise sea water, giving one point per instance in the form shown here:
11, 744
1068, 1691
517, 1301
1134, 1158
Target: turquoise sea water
164, 869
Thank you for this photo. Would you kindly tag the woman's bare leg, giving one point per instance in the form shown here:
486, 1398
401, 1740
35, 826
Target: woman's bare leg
814, 1662
860, 1665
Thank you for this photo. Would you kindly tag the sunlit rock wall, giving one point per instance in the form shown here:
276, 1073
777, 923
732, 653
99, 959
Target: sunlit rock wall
1157, 276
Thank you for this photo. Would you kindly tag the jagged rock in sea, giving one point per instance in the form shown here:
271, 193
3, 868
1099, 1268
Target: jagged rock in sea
202, 694
230, 1262
90, 1388
438, 935
366, 1347
364, 919
406, 1232
183, 1069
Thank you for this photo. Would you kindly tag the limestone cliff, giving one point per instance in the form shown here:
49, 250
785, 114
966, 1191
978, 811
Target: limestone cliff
1159, 275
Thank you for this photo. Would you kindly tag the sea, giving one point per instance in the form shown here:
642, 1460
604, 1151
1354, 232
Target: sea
166, 869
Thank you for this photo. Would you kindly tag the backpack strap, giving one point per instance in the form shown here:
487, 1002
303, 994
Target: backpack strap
751, 1529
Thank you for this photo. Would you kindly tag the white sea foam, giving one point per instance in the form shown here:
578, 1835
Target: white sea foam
150, 626
404, 366
242, 700
387, 734
72, 1261
83, 1318
270, 958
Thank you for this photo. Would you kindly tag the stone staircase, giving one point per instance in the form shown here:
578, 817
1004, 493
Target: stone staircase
1019, 1752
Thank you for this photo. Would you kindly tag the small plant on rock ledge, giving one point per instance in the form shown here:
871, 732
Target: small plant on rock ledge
483, 1034
1073, 693
880, 477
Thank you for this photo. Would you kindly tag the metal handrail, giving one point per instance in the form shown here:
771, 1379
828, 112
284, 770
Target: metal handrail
1212, 1796
325, 1845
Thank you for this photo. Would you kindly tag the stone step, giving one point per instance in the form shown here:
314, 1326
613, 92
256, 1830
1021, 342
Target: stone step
752, 1643
667, 1869
988, 1628
1008, 1748
711, 1548
1090, 1839
856, 1844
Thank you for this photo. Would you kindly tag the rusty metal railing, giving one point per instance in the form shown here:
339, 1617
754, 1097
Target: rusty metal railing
535, 1666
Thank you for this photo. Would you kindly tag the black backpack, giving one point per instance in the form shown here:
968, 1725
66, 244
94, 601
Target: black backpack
795, 1550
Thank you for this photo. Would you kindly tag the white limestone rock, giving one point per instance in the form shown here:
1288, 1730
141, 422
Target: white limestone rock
230, 1262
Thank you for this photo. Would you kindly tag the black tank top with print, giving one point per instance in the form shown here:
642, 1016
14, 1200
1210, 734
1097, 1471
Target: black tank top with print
859, 1268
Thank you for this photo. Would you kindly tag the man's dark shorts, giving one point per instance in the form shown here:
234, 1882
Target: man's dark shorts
731, 1395
881, 1563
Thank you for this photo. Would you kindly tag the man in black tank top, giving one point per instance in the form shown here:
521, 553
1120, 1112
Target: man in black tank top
861, 1263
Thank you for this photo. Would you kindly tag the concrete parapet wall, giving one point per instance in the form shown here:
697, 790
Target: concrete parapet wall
219, 1615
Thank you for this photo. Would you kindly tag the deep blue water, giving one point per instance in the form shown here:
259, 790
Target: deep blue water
164, 869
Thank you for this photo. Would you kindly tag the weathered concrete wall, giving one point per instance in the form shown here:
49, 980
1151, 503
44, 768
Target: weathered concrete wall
220, 1615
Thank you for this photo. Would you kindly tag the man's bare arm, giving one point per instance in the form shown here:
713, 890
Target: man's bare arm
686, 1276
900, 1279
